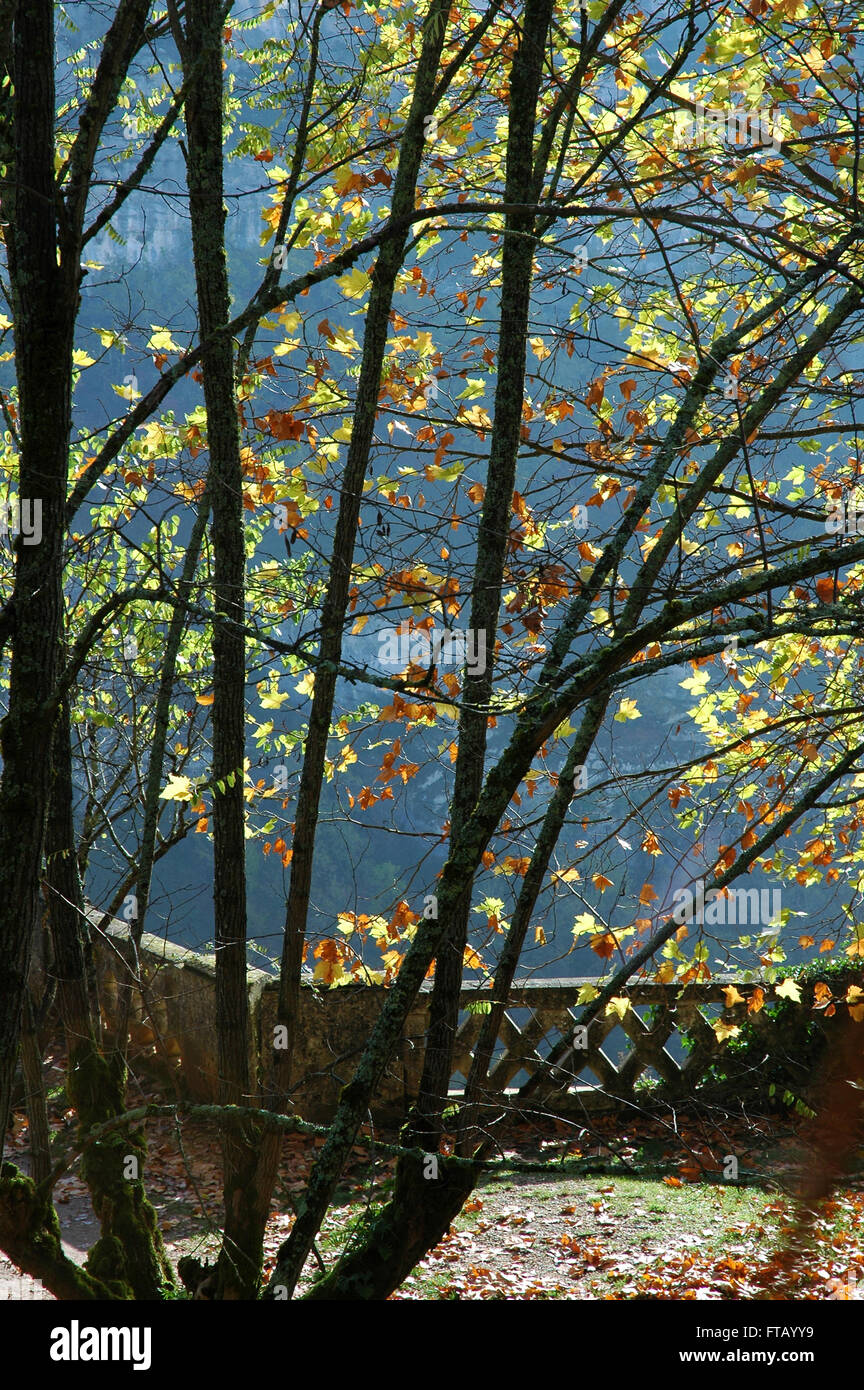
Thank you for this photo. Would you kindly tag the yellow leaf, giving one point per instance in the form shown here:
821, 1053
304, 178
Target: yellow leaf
161, 340
354, 284
732, 997
273, 700
788, 990
177, 789
306, 686
626, 710
584, 923
539, 348
205, 699
723, 1030
619, 1005
539, 936
329, 971
586, 994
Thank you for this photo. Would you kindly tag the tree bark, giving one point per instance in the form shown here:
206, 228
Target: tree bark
423, 1206
44, 301
246, 1198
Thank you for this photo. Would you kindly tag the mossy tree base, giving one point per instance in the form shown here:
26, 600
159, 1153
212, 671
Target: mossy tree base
130, 1249
30, 1236
418, 1216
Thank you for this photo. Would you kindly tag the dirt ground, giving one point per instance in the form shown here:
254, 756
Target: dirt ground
655, 1218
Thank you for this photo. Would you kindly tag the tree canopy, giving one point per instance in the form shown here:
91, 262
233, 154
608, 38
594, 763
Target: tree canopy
433, 470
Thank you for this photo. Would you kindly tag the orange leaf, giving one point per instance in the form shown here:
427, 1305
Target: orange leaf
825, 589
603, 944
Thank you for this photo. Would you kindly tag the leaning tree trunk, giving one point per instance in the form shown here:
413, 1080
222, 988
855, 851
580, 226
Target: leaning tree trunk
428, 1196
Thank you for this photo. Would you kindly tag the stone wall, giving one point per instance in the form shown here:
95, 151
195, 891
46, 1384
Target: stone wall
176, 1028
667, 1039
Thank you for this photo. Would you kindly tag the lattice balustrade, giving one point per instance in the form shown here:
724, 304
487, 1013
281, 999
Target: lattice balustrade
534, 1063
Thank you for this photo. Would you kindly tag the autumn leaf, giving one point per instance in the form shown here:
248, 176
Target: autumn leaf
584, 923
732, 997
825, 589
354, 284
854, 998
281, 424
788, 990
822, 995
618, 1006
724, 1030
603, 944
177, 789
626, 710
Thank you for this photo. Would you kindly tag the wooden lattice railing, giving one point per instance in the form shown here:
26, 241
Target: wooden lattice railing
531, 1064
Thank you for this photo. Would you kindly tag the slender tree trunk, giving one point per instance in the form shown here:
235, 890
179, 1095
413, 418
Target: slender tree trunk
429, 1195
516, 280
336, 599
246, 1199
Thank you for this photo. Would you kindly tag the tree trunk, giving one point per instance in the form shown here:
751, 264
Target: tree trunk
246, 1198
45, 302
429, 1195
